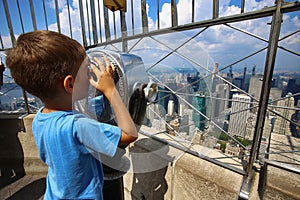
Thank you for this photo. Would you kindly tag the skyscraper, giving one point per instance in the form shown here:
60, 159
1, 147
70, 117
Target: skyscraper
198, 102
240, 112
282, 125
255, 86
220, 100
170, 107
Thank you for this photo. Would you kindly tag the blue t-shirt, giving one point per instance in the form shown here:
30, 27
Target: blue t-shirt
69, 143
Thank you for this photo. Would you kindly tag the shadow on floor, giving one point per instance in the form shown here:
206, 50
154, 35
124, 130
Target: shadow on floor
11, 152
33, 191
150, 162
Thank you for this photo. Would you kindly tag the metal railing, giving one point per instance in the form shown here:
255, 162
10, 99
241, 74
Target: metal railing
130, 31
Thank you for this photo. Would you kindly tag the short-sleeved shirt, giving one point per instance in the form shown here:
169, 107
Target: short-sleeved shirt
68, 143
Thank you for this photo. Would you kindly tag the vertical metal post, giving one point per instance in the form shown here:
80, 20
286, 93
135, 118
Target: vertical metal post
20, 16
124, 32
115, 30
267, 80
88, 21
1, 41
157, 14
215, 9
243, 6
26, 101
45, 14
82, 23
94, 23
57, 16
132, 17
32, 15
144, 16
174, 13
264, 96
9, 24
70, 22
99, 22
193, 11
106, 24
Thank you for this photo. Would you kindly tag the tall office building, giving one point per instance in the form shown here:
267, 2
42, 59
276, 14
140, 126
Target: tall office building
170, 107
255, 86
198, 102
282, 125
215, 80
193, 80
185, 123
275, 93
220, 100
253, 70
293, 86
163, 97
240, 113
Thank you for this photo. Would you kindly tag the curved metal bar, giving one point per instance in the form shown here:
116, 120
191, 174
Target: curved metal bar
45, 14
57, 16
32, 15
70, 22
20, 16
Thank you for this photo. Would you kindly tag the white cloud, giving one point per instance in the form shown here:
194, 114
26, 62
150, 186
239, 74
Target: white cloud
60, 3
223, 43
184, 10
216, 39
202, 10
296, 21
7, 41
165, 15
76, 23
252, 5
75, 4
64, 19
289, 26
229, 10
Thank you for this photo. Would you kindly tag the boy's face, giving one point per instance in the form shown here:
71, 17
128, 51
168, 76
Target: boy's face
81, 85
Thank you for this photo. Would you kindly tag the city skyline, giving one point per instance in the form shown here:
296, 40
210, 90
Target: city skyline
221, 43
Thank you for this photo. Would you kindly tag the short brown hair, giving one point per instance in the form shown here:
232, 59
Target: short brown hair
41, 59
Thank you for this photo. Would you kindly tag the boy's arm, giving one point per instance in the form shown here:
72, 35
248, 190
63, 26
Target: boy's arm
129, 132
105, 84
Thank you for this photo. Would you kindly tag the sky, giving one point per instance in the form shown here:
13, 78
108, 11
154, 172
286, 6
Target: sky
221, 43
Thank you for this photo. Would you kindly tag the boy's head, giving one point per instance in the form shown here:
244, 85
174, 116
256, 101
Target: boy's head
42, 59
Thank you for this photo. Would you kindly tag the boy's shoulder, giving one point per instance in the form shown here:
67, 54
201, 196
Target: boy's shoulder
55, 114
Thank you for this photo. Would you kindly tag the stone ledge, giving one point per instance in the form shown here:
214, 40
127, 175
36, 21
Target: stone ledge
189, 177
284, 182
229, 180
32, 162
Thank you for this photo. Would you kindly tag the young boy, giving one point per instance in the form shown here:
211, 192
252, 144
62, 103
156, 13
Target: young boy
54, 68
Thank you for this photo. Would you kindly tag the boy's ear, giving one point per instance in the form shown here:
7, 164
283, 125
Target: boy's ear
68, 84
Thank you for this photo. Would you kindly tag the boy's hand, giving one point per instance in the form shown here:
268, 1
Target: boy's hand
104, 82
